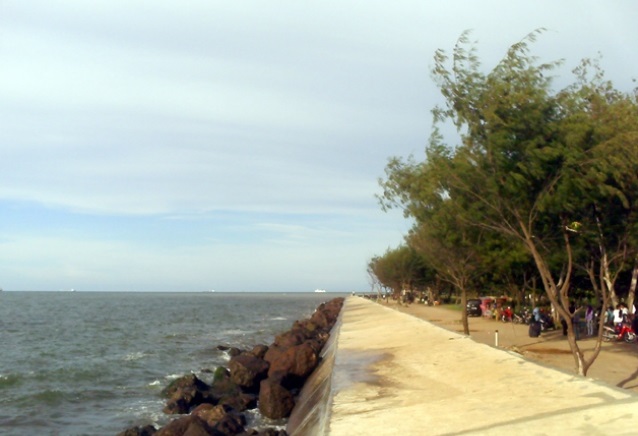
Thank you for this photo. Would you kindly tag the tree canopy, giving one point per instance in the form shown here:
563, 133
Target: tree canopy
541, 182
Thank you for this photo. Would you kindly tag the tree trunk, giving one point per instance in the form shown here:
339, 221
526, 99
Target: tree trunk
466, 325
559, 297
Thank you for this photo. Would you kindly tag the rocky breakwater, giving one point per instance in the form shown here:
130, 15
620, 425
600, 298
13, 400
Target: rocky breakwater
266, 377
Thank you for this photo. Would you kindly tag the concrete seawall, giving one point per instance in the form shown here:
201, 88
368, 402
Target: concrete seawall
388, 373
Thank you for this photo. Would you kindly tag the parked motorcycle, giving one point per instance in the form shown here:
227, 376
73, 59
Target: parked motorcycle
622, 332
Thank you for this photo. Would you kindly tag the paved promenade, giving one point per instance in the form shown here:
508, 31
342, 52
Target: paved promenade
394, 374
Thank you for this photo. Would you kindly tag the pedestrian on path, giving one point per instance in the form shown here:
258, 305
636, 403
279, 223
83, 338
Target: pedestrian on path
589, 320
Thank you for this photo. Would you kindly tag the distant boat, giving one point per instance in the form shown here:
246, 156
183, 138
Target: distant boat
320, 290
212, 290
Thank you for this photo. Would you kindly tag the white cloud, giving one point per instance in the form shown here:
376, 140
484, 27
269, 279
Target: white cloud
273, 112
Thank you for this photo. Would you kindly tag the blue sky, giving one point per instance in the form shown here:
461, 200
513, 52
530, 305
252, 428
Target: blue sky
236, 146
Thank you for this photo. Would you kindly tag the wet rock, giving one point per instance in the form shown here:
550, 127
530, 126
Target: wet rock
147, 430
232, 351
222, 386
259, 350
266, 432
222, 419
185, 393
247, 370
240, 402
298, 361
275, 401
290, 338
230, 424
276, 371
190, 425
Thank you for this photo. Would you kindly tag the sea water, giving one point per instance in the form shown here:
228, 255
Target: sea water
85, 363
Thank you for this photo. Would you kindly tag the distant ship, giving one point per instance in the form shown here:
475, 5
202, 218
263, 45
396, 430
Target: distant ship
320, 290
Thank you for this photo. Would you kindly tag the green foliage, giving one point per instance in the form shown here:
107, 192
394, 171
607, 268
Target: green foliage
531, 161
401, 268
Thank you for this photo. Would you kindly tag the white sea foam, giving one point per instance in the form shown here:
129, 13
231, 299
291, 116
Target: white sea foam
234, 332
134, 356
173, 376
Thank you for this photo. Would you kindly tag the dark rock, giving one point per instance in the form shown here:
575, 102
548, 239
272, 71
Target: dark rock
216, 409
274, 354
222, 386
221, 373
186, 381
147, 430
240, 402
230, 424
247, 370
184, 394
265, 432
232, 352
290, 338
275, 401
298, 361
222, 419
190, 425
259, 350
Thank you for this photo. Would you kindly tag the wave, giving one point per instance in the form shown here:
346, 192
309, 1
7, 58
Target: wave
137, 355
10, 380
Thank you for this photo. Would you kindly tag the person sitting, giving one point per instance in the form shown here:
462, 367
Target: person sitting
507, 314
618, 315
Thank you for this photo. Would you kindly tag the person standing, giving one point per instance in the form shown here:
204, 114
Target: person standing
589, 320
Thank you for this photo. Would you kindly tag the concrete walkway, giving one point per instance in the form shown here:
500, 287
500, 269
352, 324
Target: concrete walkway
395, 374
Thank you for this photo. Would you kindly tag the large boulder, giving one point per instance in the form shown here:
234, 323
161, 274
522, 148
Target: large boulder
298, 361
259, 350
275, 401
247, 370
290, 338
190, 425
147, 430
224, 420
222, 386
185, 393
240, 402
231, 351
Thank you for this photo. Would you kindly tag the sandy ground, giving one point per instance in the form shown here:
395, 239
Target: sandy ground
617, 363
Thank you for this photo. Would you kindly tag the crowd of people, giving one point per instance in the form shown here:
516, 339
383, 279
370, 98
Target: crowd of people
585, 318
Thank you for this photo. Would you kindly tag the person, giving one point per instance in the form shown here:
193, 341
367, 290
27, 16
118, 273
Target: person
537, 314
507, 314
535, 323
618, 315
589, 320
609, 316
576, 322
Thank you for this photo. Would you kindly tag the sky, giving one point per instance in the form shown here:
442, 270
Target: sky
236, 145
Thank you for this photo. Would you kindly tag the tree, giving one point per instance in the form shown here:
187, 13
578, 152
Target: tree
400, 268
532, 163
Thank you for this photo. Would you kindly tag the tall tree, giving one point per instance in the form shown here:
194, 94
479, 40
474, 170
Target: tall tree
531, 163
